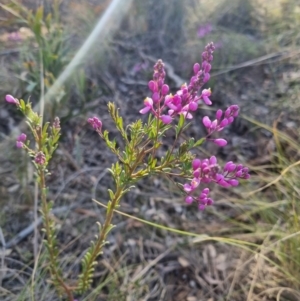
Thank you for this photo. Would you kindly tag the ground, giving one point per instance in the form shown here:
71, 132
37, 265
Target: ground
143, 262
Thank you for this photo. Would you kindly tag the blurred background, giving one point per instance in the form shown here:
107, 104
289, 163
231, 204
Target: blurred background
79, 55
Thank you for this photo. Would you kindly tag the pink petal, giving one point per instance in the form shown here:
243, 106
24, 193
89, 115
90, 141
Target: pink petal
166, 119
145, 110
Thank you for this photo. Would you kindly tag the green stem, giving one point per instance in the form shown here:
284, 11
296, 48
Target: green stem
47, 223
102, 238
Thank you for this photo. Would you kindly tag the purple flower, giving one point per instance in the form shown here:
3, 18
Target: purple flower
165, 89
95, 123
196, 164
166, 119
40, 158
207, 171
220, 142
148, 102
22, 137
20, 140
205, 96
189, 200
220, 123
11, 99
19, 144
204, 30
186, 99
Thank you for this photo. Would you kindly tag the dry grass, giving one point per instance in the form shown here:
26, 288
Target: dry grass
252, 252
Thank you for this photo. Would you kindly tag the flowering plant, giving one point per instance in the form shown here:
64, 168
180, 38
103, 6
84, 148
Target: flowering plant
138, 159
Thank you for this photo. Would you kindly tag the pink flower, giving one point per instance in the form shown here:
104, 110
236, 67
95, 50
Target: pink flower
148, 102
196, 164
206, 122
165, 89
11, 99
152, 85
205, 96
193, 106
207, 171
19, 144
22, 137
196, 68
220, 142
95, 123
40, 158
20, 140
166, 119
189, 200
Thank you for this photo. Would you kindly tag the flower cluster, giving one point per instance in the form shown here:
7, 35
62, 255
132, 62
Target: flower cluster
187, 98
20, 140
96, 123
222, 120
40, 158
207, 171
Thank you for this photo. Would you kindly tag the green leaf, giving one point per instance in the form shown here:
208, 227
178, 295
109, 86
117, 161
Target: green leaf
183, 148
191, 143
45, 128
48, 21
181, 121
22, 105
39, 14
199, 142
178, 127
111, 194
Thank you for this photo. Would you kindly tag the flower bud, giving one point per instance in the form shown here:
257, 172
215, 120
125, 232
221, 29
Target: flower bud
11, 99
189, 200
19, 144
166, 119
193, 106
40, 158
152, 86
213, 160
155, 97
206, 77
219, 114
165, 89
196, 164
206, 121
22, 137
95, 123
196, 68
220, 142
224, 122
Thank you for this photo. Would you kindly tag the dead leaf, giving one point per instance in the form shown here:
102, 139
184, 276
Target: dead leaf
212, 251
86, 212
183, 262
220, 262
211, 280
192, 298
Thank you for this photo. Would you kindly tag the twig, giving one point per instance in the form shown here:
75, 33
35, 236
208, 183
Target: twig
35, 217
150, 265
2, 255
